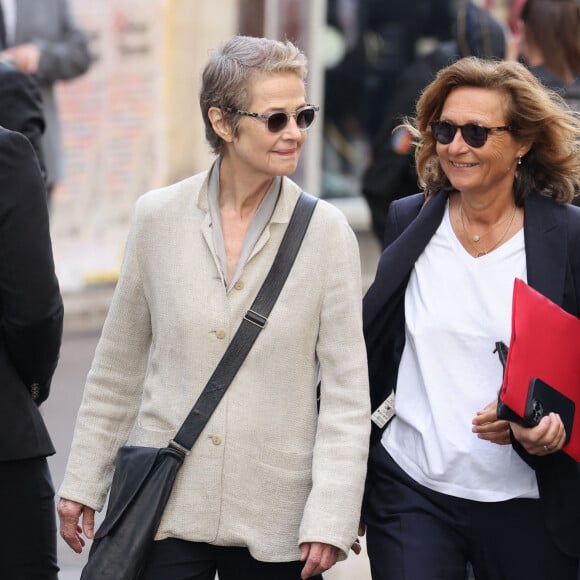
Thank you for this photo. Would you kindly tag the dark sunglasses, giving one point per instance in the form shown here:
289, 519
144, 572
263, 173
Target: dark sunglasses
276, 122
473, 135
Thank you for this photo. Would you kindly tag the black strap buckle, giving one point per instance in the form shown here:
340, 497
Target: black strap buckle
178, 446
255, 318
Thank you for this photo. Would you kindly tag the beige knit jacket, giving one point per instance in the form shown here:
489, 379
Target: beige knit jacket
267, 472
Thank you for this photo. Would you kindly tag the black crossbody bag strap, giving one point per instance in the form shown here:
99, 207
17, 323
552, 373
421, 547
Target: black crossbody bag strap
253, 322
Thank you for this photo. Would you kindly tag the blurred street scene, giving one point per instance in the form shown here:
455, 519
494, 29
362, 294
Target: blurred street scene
132, 123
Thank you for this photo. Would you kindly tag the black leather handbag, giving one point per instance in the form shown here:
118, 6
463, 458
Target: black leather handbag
144, 476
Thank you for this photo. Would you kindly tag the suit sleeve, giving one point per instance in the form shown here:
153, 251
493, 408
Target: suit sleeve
21, 107
572, 305
32, 311
66, 57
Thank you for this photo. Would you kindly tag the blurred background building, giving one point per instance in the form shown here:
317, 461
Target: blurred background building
132, 123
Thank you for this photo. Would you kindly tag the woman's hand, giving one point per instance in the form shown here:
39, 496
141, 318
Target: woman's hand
548, 436
319, 557
69, 513
487, 426
356, 547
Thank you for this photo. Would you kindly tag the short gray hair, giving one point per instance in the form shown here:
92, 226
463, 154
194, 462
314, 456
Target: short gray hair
227, 76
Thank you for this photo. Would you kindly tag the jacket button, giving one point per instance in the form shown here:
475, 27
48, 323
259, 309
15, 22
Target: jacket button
34, 391
221, 334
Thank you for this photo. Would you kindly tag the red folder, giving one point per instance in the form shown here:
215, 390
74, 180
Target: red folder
544, 354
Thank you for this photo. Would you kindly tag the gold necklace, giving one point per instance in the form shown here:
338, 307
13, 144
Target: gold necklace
477, 250
477, 237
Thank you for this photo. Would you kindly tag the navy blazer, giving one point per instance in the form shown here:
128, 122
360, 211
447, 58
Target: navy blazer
552, 246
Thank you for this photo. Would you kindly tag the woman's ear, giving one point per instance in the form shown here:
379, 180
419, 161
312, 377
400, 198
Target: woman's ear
524, 149
219, 124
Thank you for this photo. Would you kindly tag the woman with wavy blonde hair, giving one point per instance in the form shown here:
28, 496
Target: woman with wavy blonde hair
450, 483
533, 114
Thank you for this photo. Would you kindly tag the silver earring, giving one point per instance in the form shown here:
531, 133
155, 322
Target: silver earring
519, 160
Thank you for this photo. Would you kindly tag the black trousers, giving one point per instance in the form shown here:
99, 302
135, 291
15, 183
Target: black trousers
27, 514
181, 560
414, 533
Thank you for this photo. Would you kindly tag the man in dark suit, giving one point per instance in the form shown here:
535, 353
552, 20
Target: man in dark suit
31, 317
21, 107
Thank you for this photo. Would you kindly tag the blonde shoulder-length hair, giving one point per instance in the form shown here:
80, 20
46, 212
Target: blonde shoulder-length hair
535, 113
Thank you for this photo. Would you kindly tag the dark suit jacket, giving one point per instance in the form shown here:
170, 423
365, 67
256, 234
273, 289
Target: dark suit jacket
21, 106
31, 311
552, 242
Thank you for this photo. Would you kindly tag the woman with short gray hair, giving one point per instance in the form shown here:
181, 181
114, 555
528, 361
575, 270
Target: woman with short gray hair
273, 487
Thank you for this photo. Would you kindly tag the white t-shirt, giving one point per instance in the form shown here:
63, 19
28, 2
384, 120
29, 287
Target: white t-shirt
456, 308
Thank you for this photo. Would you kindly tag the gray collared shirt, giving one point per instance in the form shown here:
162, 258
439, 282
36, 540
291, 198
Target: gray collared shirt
260, 220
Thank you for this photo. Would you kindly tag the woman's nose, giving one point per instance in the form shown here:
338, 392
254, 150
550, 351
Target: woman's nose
292, 127
458, 141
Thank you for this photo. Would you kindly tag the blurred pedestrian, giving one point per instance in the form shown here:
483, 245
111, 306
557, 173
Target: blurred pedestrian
271, 489
550, 44
370, 44
43, 39
391, 173
31, 317
498, 155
